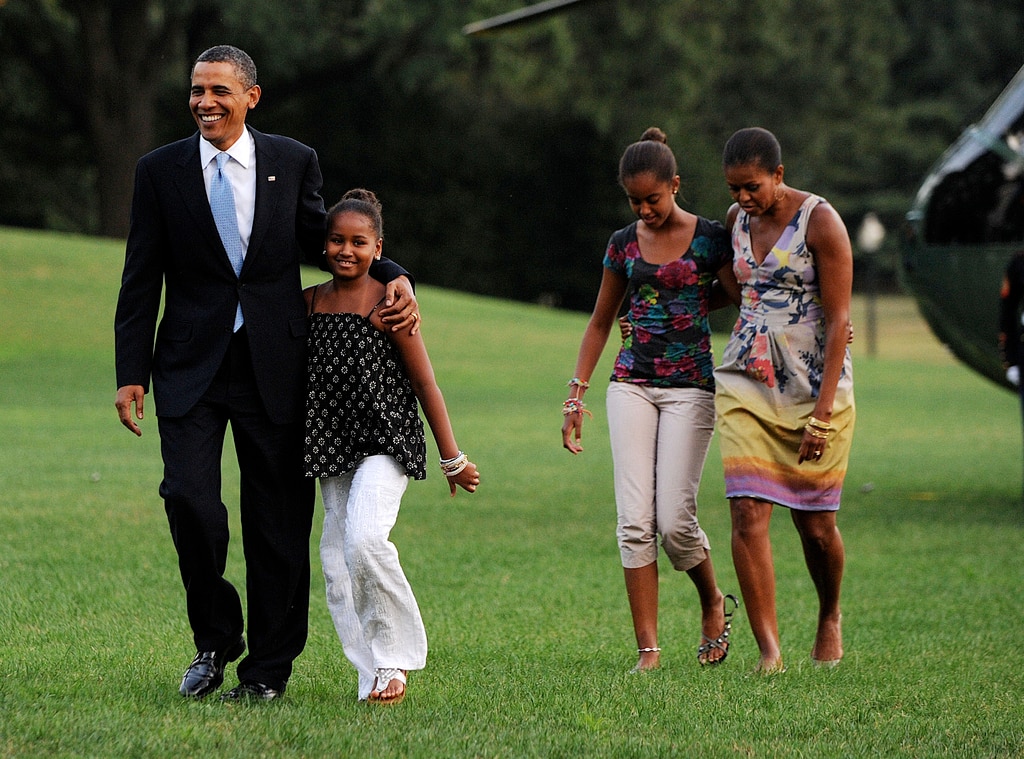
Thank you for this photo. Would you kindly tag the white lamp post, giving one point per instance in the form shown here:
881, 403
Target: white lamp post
869, 240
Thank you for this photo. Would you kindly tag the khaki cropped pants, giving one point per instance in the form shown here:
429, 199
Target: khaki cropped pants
659, 439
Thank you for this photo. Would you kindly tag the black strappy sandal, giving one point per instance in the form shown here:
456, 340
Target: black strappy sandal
722, 641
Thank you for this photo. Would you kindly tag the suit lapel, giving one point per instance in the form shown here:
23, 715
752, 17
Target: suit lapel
267, 171
189, 182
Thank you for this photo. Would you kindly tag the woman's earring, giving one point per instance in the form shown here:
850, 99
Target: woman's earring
324, 254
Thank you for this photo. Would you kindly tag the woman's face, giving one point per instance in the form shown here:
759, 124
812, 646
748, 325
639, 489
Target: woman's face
352, 245
652, 199
754, 188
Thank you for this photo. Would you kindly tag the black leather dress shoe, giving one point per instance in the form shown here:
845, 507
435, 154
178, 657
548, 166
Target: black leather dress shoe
206, 672
251, 690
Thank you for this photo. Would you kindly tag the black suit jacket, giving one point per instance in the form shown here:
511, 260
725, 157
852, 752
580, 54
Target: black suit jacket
173, 248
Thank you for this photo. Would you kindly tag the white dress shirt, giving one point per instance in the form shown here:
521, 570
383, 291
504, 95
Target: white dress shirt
241, 172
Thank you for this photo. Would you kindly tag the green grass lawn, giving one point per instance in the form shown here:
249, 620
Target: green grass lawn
520, 584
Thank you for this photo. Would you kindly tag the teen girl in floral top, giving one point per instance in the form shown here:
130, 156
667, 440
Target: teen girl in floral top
661, 405
670, 340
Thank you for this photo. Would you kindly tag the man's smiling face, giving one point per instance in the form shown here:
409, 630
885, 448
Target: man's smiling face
220, 101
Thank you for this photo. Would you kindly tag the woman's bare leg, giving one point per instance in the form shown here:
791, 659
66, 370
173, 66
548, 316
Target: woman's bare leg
825, 556
755, 570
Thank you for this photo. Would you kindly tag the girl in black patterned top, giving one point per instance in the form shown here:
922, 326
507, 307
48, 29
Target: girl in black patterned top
364, 440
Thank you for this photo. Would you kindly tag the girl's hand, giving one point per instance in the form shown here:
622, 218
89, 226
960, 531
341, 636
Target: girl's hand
468, 479
572, 433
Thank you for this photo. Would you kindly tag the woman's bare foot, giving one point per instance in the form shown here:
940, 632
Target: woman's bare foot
828, 644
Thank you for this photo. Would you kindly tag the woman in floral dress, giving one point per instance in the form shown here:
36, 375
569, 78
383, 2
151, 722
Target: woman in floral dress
785, 387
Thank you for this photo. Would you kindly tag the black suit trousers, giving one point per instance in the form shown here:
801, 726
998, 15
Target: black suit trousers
276, 507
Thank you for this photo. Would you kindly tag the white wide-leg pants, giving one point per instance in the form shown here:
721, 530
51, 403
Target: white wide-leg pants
368, 595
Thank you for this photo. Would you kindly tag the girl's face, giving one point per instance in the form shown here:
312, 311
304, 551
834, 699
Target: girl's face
754, 188
652, 199
352, 245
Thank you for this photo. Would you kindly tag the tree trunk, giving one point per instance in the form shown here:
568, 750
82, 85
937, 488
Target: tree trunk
122, 77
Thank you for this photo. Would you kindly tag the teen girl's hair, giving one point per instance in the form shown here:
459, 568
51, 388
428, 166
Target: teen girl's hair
361, 201
649, 155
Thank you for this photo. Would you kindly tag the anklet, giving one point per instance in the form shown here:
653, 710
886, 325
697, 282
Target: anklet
648, 650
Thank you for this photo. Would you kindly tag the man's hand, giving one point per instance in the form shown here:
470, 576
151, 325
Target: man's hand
125, 397
400, 307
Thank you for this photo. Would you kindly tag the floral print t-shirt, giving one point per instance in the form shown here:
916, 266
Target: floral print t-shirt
668, 308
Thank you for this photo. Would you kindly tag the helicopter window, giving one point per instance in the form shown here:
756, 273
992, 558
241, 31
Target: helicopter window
984, 203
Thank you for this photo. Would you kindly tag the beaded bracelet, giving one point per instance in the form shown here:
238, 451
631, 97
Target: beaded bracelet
575, 406
577, 382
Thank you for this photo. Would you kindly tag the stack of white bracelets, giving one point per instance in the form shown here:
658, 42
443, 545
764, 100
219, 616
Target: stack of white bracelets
453, 466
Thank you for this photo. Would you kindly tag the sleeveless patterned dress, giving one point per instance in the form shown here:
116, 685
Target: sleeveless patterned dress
771, 374
359, 401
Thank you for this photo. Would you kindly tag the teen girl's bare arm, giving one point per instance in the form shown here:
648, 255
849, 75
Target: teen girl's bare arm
418, 368
609, 300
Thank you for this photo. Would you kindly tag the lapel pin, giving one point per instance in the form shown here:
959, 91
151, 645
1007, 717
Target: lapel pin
271, 178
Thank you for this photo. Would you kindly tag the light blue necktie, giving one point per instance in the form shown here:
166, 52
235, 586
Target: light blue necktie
222, 203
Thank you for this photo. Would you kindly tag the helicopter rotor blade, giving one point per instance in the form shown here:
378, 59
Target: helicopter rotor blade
512, 18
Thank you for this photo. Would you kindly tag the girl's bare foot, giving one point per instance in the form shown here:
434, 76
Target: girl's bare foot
716, 624
389, 687
770, 666
650, 658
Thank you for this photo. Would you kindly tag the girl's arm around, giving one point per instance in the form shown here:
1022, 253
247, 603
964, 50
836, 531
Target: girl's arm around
727, 290
421, 374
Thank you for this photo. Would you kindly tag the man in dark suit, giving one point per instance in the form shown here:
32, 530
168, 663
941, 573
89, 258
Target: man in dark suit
219, 225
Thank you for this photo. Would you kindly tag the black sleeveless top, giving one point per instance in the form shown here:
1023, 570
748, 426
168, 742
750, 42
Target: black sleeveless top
359, 401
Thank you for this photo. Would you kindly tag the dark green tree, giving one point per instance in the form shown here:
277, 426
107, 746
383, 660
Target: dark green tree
496, 156
82, 82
